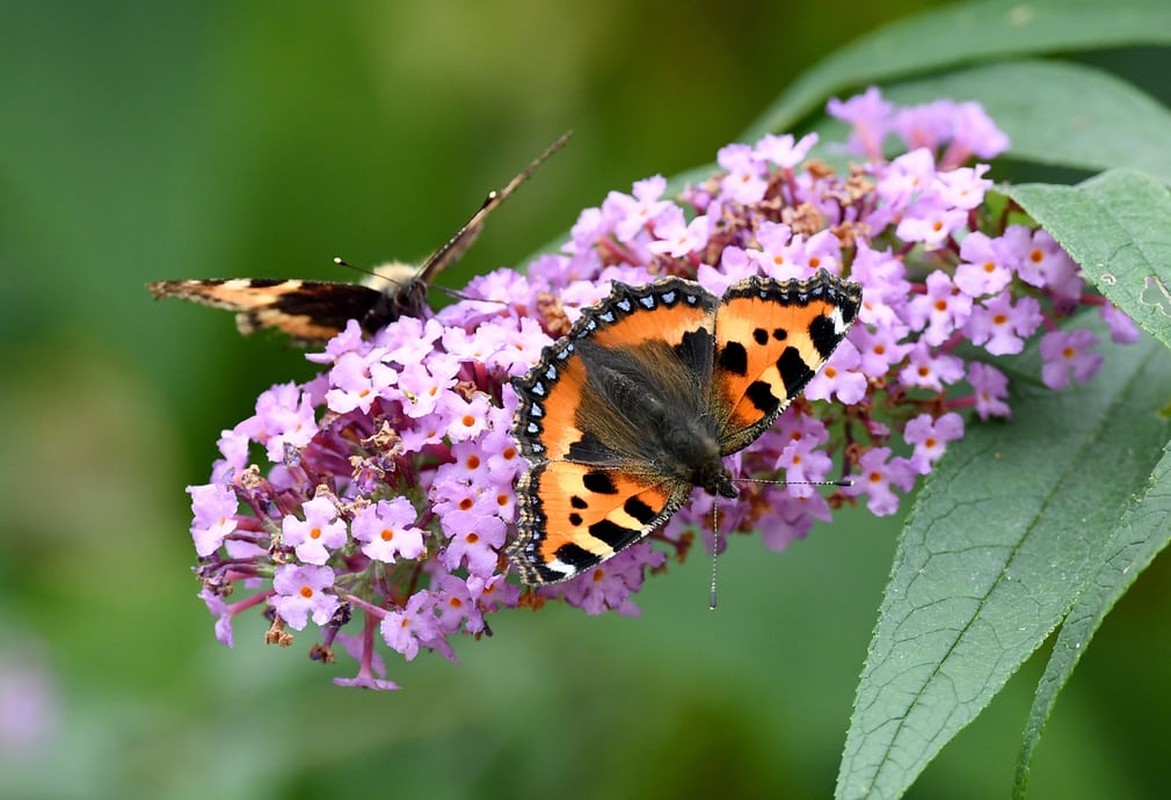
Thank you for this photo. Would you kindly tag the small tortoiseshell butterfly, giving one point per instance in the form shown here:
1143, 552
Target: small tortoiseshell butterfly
312, 311
644, 397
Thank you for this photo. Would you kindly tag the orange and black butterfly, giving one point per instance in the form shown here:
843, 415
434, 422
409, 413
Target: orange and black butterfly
316, 310
641, 401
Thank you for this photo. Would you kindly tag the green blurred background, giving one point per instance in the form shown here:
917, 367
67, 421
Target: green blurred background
218, 139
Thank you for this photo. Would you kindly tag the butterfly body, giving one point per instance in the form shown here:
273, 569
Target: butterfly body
641, 401
311, 311
644, 400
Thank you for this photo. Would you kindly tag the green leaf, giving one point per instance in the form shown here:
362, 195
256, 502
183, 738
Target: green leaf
1141, 534
1115, 227
1005, 532
966, 33
1061, 113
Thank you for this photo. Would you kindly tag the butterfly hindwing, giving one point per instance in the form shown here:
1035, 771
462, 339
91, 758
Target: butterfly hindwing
772, 337
574, 516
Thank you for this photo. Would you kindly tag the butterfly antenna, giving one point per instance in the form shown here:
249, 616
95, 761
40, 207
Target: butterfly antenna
711, 598
463, 238
838, 482
711, 601
341, 262
457, 295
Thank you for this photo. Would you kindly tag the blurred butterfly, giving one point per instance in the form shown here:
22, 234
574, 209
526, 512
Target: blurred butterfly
312, 311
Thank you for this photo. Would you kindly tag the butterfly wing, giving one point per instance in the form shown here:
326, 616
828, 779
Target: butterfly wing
575, 516
306, 310
589, 423
772, 337
458, 244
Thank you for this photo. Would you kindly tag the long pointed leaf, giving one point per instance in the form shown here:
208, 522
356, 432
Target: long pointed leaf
1007, 529
1143, 531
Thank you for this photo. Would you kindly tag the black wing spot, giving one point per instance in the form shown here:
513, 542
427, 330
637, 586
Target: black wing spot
577, 557
578, 503
760, 394
734, 358
639, 510
613, 534
574, 519
589, 450
760, 336
824, 337
794, 371
599, 483
780, 334
695, 350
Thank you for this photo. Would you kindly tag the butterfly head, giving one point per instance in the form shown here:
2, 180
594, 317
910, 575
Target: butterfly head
715, 479
406, 299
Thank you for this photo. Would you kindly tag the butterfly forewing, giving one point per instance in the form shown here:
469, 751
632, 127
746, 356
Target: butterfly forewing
305, 310
771, 339
676, 308
546, 420
559, 405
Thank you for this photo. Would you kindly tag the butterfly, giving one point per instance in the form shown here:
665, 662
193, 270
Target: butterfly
311, 311
641, 401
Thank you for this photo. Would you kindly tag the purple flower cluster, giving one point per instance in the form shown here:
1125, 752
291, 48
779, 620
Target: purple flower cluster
387, 490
